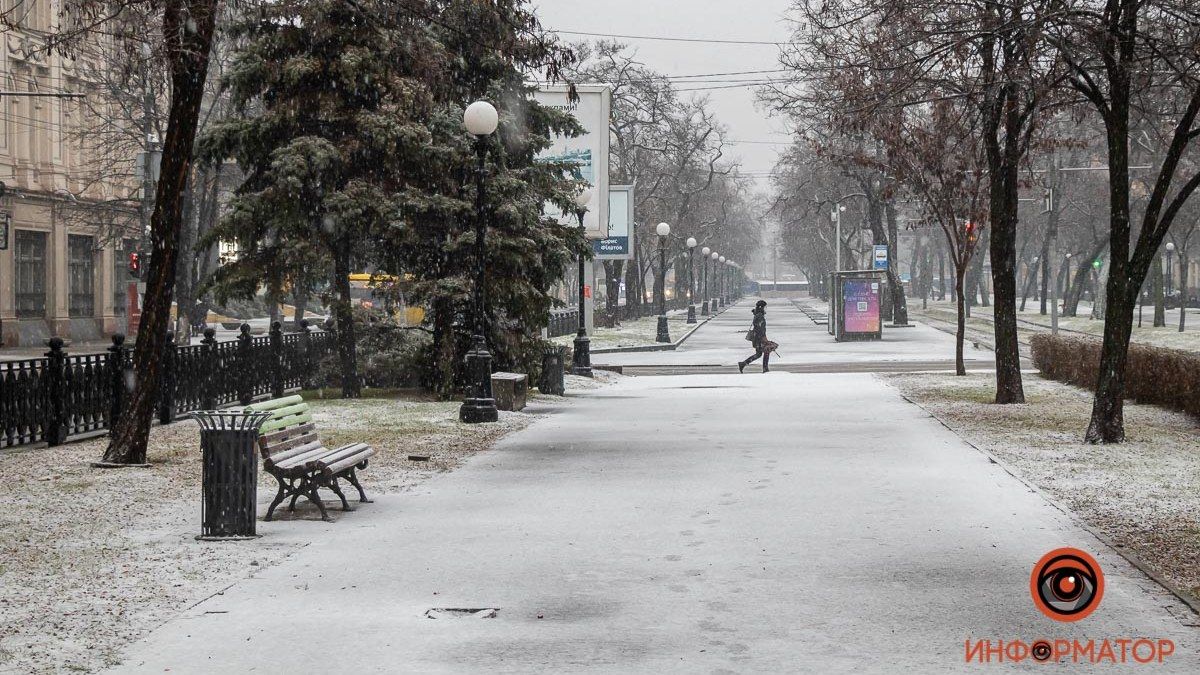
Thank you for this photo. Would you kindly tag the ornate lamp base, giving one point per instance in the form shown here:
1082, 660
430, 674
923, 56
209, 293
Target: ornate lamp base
581, 362
664, 335
691, 314
704, 309
478, 406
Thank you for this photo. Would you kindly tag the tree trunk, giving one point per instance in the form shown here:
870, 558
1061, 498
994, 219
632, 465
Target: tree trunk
960, 335
185, 277
612, 277
1003, 249
1046, 253
941, 250
444, 355
899, 302
343, 313
1107, 424
1031, 278
1183, 289
187, 37
1157, 289
300, 297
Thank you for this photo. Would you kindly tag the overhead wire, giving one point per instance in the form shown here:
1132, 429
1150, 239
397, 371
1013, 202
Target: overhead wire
660, 38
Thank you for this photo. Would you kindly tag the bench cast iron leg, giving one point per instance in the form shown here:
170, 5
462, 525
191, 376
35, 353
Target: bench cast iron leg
295, 496
353, 478
315, 498
279, 497
337, 490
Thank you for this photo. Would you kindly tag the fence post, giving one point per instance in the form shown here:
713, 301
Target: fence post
54, 426
276, 360
116, 372
310, 363
166, 391
245, 366
208, 400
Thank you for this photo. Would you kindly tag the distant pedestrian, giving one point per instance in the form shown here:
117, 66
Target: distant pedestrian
757, 335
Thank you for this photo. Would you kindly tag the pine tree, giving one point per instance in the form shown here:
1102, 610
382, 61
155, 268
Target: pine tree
338, 108
494, 49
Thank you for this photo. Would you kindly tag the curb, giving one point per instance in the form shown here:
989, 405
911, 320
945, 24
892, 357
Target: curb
1188, 600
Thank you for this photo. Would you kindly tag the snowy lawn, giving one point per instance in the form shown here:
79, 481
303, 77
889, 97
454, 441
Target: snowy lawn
634, 333
92, 559
1144, 494
1032, 321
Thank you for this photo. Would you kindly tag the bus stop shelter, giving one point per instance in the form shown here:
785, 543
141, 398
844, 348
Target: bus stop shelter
854, 305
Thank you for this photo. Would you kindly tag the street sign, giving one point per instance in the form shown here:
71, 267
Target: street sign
5, 227
881, 257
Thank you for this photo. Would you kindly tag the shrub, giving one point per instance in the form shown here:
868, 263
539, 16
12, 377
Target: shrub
389, 356
1166, 377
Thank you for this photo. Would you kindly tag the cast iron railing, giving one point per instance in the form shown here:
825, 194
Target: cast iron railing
61, 396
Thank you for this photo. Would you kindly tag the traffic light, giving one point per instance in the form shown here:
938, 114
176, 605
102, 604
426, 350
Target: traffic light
1097, 263
972, 233
136, 265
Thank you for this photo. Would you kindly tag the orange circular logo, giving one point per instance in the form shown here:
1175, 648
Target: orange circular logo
1067, 584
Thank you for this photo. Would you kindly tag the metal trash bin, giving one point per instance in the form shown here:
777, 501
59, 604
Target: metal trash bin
230, 477
553, 365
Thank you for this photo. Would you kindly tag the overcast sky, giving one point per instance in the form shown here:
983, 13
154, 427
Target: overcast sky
760, 20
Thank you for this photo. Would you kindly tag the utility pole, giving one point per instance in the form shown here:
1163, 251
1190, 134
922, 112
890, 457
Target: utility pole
774, 264
1050, 251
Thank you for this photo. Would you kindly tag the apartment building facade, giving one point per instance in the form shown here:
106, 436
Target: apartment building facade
65, 235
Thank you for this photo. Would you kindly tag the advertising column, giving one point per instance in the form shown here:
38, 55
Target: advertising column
584, 158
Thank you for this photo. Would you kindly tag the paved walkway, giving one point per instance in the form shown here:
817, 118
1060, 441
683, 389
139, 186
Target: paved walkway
703, 523
803, 346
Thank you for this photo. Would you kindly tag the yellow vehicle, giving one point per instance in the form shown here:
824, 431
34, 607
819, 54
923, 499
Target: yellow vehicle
362, 291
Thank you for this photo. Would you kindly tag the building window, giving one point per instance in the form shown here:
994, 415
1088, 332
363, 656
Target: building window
81, 273
121, 276
30, 258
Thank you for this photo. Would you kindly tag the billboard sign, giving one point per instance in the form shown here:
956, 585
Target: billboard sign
617, 243
860, 306
587, 154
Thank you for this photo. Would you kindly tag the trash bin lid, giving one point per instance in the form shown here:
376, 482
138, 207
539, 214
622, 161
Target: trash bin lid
230, 420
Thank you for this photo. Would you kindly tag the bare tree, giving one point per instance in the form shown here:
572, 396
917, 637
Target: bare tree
1127, 56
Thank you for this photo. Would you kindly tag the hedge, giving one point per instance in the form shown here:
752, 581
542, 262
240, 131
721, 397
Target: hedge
1166, 377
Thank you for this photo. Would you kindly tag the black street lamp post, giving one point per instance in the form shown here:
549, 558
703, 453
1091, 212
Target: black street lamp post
704, 284
721, 284
478, 405
581, 361
1170, 253
664, 334
691, 247
714, 257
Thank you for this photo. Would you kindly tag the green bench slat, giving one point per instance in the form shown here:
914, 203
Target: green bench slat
275, 403
286, 421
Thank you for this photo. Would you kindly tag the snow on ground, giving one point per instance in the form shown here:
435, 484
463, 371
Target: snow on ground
633, 332
91, 559
1032, 321
1141, 494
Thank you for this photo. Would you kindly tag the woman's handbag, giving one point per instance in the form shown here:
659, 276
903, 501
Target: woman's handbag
750, 335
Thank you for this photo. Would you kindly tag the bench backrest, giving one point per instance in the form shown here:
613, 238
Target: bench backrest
290, 431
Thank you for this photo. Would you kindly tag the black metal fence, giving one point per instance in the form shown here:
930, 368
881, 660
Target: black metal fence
563, 322
61, 396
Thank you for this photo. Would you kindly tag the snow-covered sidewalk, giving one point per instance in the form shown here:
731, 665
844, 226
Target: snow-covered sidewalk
714, 523
1141, 494
92, 558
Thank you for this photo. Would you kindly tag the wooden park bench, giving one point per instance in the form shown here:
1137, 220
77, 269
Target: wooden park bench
510, 390
295, 456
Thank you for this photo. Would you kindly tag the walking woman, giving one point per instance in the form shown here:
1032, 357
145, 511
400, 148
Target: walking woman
758, 337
